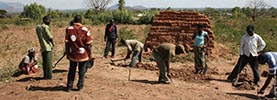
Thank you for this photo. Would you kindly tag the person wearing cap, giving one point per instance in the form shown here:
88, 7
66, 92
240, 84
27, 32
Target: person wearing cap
271, 59
199, 50
251, 43
135, 47
46, 46
78, 50
28, 64
110, 38
162, 55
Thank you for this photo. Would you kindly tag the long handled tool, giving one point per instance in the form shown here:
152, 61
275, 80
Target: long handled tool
113, 61
58, 61
129, 73
169, 76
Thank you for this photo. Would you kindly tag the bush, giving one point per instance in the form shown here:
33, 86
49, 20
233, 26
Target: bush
124, 16
124, 33
147, 16
102, 17
34, 11
54, 13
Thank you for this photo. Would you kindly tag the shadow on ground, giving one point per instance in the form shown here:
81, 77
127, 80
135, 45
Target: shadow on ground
250, 96
59, 71
39, 88
30, 79
147, 81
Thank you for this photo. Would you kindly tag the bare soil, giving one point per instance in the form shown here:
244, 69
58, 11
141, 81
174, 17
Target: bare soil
110, 82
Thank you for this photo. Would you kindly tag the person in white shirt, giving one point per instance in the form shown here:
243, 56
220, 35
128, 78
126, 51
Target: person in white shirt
250, 45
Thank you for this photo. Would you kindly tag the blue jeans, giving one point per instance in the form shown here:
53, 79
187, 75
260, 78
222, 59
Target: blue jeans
136, 55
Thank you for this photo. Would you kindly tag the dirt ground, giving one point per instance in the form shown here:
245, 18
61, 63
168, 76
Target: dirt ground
110, 82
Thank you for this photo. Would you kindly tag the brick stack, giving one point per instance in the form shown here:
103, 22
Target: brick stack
177, 27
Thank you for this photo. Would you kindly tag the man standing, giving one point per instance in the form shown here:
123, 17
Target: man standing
46, 46
133, 46
110, 38
271, 59
250, 45
200, 50
78, 50
162, 55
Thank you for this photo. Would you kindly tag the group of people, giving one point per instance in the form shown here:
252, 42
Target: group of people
251, 51
78, 50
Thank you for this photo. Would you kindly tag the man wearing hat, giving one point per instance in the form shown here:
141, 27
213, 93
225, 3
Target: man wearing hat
28, 64
162, 55
78, 43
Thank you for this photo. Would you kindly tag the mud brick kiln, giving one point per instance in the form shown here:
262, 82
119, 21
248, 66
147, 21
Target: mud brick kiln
177, 27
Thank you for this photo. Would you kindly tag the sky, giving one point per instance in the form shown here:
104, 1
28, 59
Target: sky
80, 4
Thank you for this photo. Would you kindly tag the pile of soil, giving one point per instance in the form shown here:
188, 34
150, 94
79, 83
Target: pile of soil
244, 82
185, 73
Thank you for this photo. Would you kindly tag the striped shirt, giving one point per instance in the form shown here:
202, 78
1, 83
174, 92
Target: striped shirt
272, 61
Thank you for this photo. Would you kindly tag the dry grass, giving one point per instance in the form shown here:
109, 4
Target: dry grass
16, 40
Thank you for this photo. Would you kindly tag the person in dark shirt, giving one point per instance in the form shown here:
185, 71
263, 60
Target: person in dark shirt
110, 38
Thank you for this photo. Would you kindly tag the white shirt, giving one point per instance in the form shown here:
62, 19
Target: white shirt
133, 45
251, 45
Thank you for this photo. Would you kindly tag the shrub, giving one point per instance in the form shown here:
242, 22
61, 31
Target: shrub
124, 16
102, 17
147, 16
34, 11
124, 33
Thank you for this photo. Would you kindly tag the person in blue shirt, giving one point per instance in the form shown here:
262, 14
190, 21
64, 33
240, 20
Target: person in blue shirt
271, 59
200, 50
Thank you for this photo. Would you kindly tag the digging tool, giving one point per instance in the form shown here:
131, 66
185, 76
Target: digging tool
113, 61
259, 98
129, 73
169, 76
58, 61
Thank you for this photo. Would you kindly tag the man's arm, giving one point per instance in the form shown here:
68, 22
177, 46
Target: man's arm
269, 77
242, 45
262, 44
49, 35
88, 49
208, 39
106, 33
115, 32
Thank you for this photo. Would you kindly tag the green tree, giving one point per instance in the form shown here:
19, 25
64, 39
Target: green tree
34, 11
2, 12
89, 13
124, 17
121, 5
272, 12
54, 13
236, 12
247, 11
147, 16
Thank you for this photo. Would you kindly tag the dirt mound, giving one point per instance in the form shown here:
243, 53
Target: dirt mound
185, 73
244, 82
